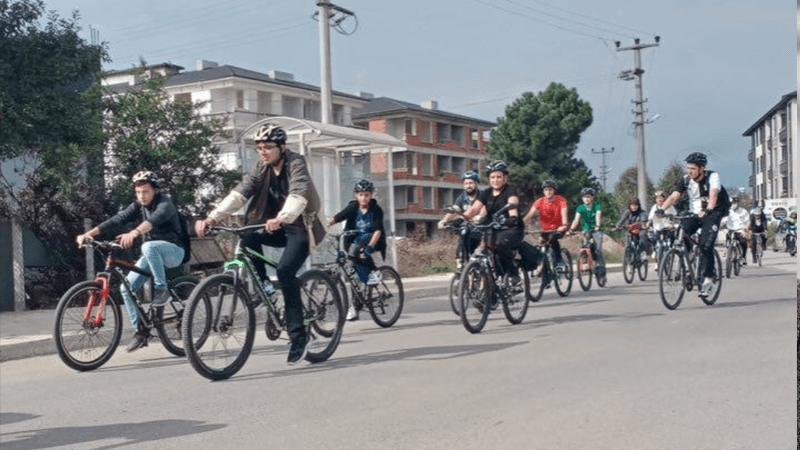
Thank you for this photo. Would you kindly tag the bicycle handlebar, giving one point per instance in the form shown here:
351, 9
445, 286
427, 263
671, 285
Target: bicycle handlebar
215, 229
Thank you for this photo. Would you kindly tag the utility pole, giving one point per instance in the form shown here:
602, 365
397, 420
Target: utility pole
327, 20
639, 113
603, 169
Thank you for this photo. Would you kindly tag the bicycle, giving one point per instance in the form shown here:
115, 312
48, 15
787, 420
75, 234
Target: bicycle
680, 272
585, 263
632, 260
230, 308
384, 301
663, 242
547, 272
791, 240
755, 239
733, 254
88, 322
481, 283
463, 229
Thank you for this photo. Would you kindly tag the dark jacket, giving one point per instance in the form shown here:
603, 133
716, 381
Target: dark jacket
349, 214
161, 213
629, 217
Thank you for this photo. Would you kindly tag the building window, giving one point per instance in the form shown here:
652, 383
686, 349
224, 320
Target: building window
459, 165
443, 163
410, 194
457, 134
427, 197
427, 134
474, 140
427, 165
443, 132
185, 98
411, 127
240, 99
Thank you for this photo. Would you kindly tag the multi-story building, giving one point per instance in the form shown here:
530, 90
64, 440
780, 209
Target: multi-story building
773, 155
440, 146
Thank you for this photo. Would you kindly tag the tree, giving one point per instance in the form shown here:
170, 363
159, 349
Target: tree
672, 174
627, 188
538, 137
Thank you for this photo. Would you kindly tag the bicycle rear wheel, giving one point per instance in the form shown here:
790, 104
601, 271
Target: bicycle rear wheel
515, 302
670, 279
627, 265
455, 304
475, 291
712, 298
729, 262
584, 270
169, 318
323, 312
564, 277
385, 300
87, 329
230, 335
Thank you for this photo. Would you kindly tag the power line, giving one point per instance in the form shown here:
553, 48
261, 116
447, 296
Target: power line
615, 33
594, 18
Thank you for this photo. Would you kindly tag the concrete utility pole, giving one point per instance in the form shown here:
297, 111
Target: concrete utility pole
603, 169
639, 113
324, 16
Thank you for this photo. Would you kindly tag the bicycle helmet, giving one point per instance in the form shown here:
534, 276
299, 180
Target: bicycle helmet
587, 191
145, 176
364, 186
548, 184
470, 174
697, 158
734, 199
494, 166
270, 133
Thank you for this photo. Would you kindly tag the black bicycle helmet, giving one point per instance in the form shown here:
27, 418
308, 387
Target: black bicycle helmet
494, 166
548, 184
697, 158
364, 186
587, 191
270, 133
147, 177
734, 199
470, 174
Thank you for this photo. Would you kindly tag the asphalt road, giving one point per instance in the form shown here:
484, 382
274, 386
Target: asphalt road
608, 369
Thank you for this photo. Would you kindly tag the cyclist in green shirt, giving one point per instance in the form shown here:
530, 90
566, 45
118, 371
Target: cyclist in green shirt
588, 214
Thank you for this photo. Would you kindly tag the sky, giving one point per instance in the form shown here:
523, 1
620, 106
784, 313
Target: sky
719, 67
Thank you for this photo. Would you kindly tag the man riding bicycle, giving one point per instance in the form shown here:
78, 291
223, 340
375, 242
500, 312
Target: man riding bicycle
708, 201
552, 212
757, 224
464, 201
588, 214
160, 229
736, 222
634, 220
282, 197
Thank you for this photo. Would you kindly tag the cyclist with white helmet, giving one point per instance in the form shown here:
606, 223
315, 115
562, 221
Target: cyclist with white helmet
283, 198
736, 221
158, 224
757, 224
589, 214
365, 216
708, 201
462, 203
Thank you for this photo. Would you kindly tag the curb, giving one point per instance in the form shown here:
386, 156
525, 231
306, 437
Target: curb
26, 347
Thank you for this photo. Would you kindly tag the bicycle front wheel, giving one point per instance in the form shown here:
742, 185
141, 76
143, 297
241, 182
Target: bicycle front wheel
475, 291
729, 261
670, 279
737, 262
627, 265
455, 304
169, 318
564, 276
642, 269
385, 301
227, 344
87, 328
323, 313
515, 302
584, 269
712, 298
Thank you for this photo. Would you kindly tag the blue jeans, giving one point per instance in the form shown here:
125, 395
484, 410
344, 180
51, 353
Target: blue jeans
156, 255
598, 244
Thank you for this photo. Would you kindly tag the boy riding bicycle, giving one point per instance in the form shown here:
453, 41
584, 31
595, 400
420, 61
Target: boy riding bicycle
588, 214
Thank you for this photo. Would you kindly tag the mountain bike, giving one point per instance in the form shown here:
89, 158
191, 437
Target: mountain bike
547, 272
463, 229
585, 265
663, 242
224, 301
632, 260
733, 254
756, 240
88, 323
384, 301
680, 271
483, 285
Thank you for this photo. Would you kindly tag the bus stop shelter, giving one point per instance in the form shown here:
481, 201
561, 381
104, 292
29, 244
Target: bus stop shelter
325, 146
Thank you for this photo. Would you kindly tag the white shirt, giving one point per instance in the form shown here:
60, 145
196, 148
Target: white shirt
696, 198
737, 220
659, 223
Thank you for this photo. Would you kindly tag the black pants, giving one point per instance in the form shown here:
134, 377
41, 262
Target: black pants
471, 241
553, 237
294, 241
505, 242
709, 227
753, 238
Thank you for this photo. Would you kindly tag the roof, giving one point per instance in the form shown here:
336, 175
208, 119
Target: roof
382, 106
784, 100
149, 67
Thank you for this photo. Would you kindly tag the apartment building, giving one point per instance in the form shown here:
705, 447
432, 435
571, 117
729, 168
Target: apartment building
440, 146
773, 155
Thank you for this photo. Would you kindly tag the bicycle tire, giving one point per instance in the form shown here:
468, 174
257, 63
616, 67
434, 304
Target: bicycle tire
737, 263
729, 258
515, 303
584, 270
385, 301
711, 299
80, 344
455, 304
230, 338
641, 270
475, 293
323, 312
627, 265
760, 254
169, 317
670, 279
602, 281
563, 280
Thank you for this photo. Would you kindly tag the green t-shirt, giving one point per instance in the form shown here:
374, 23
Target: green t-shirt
588, 215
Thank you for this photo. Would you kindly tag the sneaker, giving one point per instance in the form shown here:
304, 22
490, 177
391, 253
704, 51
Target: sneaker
708, 285
268, 287
375, 277
138, 340
561, 267
297, 350
160, 296
352, 314
744, 262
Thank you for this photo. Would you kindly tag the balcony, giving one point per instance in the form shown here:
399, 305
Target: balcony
784, 167
769, 173
782, 135
751, 155
752, 181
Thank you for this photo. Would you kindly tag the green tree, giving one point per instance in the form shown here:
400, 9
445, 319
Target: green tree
611, 210
627, 188
672, 174
538, 137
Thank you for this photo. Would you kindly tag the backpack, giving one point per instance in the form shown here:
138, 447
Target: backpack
184, 238
723, 200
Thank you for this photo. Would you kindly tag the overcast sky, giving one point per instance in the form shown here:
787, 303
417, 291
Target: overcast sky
719, 67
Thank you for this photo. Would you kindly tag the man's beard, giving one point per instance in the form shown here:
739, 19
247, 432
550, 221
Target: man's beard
470, 191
